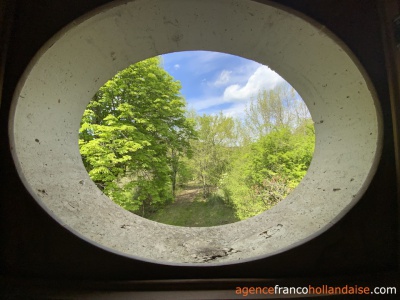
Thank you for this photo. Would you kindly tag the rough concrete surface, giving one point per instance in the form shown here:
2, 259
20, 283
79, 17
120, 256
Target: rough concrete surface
55, 90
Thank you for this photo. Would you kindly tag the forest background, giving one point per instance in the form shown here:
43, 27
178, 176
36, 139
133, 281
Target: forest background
142, 146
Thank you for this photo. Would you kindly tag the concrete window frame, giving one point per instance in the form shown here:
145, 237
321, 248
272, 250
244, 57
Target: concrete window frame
52, 94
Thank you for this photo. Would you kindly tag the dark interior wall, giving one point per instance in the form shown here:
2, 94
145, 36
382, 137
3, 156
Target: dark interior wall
34, 245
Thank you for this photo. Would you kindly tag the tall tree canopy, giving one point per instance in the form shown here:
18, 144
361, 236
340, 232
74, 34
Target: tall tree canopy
275, 155
216, 137
281, 106
132, 134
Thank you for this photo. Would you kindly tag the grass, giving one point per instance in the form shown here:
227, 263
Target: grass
194, 211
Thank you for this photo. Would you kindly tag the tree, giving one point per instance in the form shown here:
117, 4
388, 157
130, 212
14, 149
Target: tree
132, 134
264, 172
281, 106
275, 151
281, 153
216, 138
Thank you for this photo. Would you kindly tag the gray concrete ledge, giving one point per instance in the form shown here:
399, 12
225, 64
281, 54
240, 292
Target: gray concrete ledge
55, 89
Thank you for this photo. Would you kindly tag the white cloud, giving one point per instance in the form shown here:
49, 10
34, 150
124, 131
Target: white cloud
223, 82
223, 78
237, 110
263, 78
236, 96
205, 103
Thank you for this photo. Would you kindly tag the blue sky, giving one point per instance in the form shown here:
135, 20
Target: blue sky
213, 81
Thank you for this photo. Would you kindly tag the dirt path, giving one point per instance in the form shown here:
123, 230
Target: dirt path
192, 210
188, 194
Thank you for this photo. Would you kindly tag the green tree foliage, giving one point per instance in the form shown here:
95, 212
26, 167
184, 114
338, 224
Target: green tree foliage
133, 133
270, 168
216, 136
138, 143
276, 147
281, 106
280, 152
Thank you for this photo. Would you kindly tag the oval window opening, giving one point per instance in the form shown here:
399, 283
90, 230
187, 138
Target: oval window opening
196, 138
54, 91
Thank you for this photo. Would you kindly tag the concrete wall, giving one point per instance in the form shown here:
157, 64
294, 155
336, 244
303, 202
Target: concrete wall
35, 246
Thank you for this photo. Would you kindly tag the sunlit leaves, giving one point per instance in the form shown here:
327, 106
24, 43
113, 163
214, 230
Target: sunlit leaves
128, 131
265, 171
